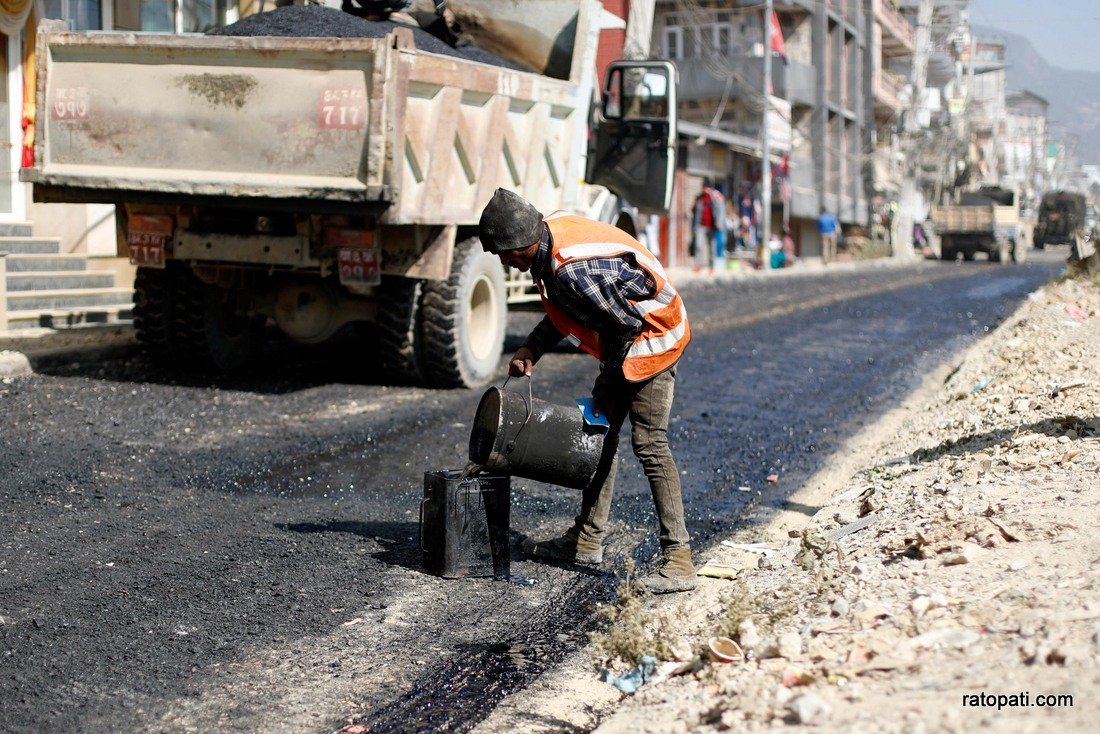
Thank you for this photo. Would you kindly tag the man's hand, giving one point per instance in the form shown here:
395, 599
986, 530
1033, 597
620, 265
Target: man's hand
523, 362
601, 394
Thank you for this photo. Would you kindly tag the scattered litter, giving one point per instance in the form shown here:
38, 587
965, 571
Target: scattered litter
773, 478
1068, 386
634, 678
522, 580
792, 678
355, 729
725, 650
715, 570
945, 637
850, 528
671, 669
349, 623
982, 384
744, 489
1076, 312
765, 549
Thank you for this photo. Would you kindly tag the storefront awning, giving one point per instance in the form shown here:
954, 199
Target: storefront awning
735, 141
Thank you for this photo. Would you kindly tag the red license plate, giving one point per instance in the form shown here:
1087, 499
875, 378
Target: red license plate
356, 256
359, 266
147, 237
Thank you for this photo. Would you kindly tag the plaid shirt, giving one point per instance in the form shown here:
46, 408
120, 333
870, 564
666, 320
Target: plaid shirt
597, 294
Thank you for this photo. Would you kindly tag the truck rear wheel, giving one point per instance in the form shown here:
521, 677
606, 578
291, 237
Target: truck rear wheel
463, 319
396, 326
232, 337
153, 294
209, 328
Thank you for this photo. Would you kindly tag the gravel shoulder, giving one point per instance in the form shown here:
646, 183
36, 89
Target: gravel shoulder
960, 560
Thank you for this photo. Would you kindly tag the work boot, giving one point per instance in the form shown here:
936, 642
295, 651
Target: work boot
571, 546
674, 573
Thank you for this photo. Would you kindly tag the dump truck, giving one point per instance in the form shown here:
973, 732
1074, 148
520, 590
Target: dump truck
1061, 219
986, 220
318, 183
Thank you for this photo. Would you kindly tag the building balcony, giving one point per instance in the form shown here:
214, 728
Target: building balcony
788, 6
887, 89
793, 81
897, 34
797, 83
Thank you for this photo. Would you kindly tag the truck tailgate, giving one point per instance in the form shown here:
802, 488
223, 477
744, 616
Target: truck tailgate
287, 118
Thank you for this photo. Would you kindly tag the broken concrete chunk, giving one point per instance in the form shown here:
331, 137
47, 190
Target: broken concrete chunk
790, 645
809, 708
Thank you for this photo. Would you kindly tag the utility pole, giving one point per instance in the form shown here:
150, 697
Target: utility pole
765, 143
639, 29
907, 206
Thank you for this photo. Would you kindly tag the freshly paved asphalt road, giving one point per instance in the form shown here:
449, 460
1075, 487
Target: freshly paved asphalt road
214, 553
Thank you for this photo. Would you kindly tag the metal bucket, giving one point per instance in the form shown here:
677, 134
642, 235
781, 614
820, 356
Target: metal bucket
524, 437
464, 525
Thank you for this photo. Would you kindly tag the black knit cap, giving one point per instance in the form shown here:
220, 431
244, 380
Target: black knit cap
509, 222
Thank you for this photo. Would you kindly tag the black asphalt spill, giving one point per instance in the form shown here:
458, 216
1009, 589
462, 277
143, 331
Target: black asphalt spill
162, 533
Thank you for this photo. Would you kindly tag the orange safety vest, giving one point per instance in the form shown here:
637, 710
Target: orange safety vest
665, 332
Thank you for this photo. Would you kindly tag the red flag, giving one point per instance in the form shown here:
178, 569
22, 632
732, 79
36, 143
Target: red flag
777, 38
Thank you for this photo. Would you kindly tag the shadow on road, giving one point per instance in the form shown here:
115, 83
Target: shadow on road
392, 536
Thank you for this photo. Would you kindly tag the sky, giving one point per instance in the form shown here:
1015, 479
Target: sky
1064, 32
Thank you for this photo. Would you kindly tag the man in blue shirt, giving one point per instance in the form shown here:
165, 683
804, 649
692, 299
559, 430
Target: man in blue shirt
828, 227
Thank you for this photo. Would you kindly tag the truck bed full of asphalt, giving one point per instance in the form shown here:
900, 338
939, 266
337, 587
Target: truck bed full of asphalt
314, 21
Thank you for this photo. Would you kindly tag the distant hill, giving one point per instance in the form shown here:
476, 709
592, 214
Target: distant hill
1074, 96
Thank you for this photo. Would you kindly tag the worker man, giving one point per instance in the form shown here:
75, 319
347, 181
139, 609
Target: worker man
607, 294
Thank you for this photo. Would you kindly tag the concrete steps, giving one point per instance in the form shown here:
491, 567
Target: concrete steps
42, 289
29, 246
43, 263
59, 280
39, 322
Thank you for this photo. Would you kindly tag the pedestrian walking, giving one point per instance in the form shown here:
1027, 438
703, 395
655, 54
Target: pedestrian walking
604, 292
827, 225
718, 210
704, 226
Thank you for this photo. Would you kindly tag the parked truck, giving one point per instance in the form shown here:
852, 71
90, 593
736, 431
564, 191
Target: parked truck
315, 182
986, 220
1061, 219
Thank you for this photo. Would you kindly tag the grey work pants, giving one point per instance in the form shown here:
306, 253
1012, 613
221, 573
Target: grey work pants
648, 405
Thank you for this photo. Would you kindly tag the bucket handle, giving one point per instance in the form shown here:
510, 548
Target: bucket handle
510, 447
420, 526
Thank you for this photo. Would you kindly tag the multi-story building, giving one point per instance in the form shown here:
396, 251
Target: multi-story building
987, 85
1022, 144
818, 116
889, 52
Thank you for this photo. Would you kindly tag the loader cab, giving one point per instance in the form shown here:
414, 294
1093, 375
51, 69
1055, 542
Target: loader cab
633, 146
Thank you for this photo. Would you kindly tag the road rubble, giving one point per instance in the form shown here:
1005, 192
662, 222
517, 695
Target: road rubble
945, 587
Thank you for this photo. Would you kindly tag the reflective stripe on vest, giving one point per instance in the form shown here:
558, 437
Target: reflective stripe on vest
666, 331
